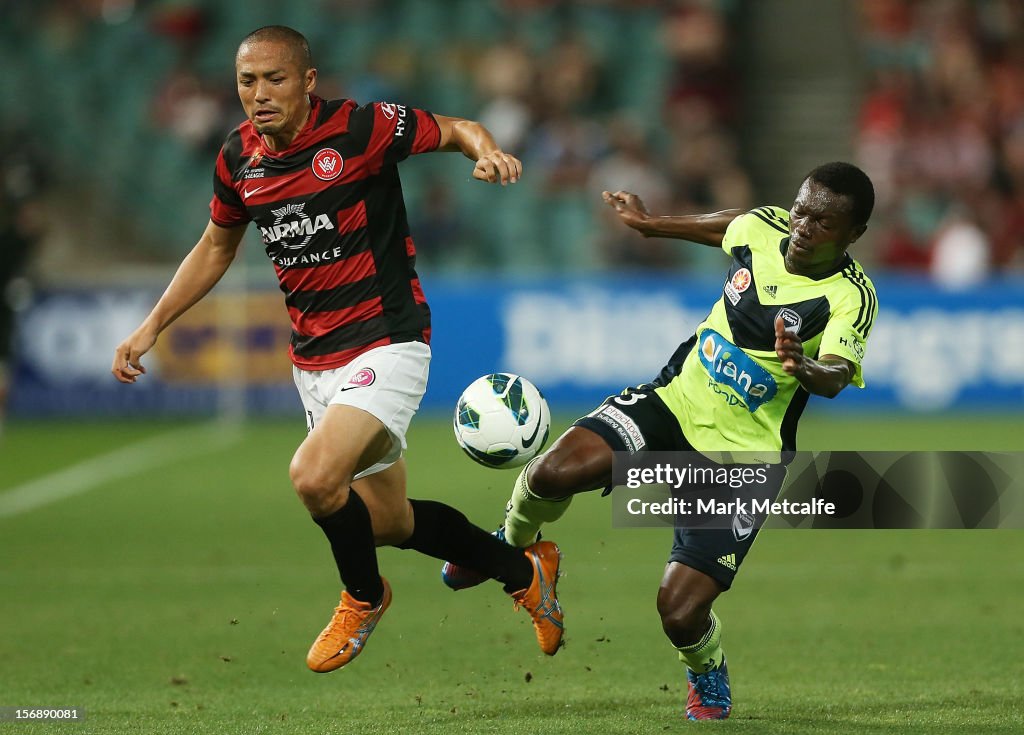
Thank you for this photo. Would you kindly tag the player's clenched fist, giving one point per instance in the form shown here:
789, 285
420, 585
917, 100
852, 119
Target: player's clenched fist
498, 167
628, 206
127, 366
789, 348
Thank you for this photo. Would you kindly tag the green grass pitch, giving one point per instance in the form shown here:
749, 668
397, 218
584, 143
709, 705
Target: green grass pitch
182, 599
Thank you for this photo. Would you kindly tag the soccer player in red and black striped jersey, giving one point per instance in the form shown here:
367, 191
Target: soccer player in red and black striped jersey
320, 181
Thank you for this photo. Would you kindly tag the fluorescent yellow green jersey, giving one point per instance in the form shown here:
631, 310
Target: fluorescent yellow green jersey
726, 385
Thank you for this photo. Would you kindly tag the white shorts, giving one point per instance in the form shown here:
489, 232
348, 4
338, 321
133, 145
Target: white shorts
387, 382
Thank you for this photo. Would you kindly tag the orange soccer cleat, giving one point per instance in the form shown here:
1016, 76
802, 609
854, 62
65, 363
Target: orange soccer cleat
539, 598
345, 636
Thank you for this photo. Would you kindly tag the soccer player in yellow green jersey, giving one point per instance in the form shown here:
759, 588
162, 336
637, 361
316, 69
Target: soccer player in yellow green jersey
793, 320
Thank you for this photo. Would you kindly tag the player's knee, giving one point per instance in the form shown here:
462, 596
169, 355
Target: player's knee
579, 461
319, 491
684, 614
551, 477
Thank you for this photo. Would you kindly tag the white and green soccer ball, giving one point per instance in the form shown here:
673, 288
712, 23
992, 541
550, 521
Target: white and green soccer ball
502, 420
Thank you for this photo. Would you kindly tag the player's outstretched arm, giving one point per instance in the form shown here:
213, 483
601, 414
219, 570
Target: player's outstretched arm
706, 229
476, 143
197, 274
825, 376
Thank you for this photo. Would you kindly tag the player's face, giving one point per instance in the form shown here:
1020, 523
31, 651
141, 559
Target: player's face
821, 229
274, 90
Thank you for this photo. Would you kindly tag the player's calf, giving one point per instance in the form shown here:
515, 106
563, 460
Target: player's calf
527, 511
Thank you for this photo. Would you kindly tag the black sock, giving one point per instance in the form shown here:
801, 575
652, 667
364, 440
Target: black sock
351, 535
444, 533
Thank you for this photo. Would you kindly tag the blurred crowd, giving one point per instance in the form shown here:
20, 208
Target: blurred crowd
941, 132
591, 95
601, 94
561, 100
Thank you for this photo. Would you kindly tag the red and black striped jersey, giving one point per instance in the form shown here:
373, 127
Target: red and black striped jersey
332, 217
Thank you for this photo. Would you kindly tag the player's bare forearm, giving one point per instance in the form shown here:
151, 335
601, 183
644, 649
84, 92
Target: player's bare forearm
468, 137
705, 229
197, 274
476, 143
825, 377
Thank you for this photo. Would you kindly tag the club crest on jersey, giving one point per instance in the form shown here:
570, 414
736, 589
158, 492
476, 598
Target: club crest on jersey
739, 283
327, 164
730, 366
791, 319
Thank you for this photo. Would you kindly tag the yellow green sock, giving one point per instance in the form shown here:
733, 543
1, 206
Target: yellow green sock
526, 512
706, 654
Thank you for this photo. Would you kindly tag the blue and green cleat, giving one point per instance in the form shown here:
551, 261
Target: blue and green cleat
709, 696
459, 578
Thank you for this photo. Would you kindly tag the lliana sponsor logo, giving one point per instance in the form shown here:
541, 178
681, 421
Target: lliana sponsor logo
290, 222
730, 366
328, 164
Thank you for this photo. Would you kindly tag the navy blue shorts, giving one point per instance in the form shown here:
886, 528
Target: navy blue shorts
639, 421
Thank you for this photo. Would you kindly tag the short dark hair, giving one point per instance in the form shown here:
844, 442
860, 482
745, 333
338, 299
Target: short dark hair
290, 37
847, 180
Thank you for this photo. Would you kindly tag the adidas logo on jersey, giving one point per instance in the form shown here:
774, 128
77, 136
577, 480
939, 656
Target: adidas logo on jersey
771, 290
728, 561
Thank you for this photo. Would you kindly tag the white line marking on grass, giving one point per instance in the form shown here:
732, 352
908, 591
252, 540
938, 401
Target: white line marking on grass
148, 454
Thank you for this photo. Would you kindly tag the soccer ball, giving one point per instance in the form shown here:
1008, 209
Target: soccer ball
502, 420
